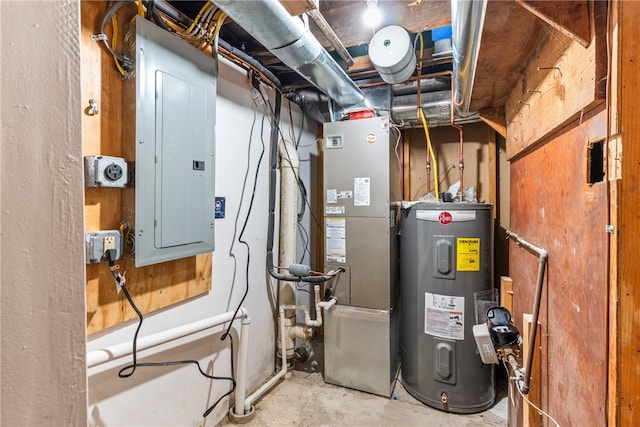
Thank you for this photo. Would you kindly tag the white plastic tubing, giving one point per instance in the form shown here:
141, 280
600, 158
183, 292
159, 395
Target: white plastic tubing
113, 352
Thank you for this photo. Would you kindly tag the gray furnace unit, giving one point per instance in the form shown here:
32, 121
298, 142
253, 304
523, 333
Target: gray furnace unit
361, 181
446, 285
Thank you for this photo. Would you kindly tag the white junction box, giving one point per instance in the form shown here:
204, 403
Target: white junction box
105, 171
485, 344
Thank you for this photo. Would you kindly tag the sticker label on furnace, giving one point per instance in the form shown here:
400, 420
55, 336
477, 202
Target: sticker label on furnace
444, 316
336, 240
468, 254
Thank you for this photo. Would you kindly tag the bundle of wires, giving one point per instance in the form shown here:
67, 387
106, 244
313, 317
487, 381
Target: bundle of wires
205, 27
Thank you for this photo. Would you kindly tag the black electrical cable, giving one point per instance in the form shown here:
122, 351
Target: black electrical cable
150, 6
303, 196
304, 236
128, 370
246, 220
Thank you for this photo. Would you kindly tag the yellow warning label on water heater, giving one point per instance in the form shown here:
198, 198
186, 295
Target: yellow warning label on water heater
468, 255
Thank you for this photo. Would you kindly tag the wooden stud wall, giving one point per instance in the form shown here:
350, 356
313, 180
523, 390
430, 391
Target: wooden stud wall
445, 141
530, 416
151, 287
626, 396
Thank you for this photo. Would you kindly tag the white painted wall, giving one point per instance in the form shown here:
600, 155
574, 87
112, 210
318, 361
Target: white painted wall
43, 314
180, 395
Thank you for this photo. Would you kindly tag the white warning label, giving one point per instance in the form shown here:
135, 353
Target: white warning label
444, 316
362, 191
336, 240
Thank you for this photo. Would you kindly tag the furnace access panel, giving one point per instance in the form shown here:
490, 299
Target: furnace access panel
175, 89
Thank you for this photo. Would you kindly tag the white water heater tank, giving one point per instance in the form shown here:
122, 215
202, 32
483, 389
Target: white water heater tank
392, 54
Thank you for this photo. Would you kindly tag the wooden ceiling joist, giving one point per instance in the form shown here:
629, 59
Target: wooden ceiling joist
571, 18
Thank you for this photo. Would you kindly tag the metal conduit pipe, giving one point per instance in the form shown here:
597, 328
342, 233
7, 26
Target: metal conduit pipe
467, 20
543, 255
286, 37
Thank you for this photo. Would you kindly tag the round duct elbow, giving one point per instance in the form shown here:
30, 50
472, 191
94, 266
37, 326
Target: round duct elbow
392, 54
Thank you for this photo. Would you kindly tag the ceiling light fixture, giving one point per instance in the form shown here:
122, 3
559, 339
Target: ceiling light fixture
372, 14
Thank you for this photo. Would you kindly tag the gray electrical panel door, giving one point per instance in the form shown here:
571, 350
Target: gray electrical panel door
181, 162
175, 91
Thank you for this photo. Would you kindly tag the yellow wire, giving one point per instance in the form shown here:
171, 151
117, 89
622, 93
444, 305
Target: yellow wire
195, 21
114, 42
140, 8
219, 21
433, 156
426, 133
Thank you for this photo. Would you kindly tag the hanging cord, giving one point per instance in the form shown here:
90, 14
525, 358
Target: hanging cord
128, 370
246, 221
540, 411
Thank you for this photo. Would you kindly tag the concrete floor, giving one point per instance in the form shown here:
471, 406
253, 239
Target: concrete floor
305, 399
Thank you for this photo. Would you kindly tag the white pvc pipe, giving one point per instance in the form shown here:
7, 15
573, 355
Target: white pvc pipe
104, 355
307, 317
287, 252
256, 395
328, 304
241, 385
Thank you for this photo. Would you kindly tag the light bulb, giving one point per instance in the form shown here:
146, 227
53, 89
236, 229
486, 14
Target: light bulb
372, 14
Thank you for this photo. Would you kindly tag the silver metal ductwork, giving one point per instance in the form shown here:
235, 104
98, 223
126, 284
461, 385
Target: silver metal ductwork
467, 18
286, 37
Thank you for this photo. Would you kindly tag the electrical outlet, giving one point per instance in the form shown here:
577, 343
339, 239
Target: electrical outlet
109, 243
97, 243
105, 171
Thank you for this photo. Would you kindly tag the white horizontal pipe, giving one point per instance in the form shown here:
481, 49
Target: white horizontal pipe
542, 253
98, 357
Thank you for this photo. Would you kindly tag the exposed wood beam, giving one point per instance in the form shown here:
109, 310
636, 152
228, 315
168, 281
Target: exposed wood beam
298, 7
571, 18
345, 18
494, 117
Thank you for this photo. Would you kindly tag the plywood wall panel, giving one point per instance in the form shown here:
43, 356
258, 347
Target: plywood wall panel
105, 133
553, 207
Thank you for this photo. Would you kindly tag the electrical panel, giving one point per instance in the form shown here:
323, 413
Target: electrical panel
175, 91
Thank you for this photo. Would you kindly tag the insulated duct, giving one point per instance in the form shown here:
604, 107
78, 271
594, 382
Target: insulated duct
467, 18
286, 37
434, 104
